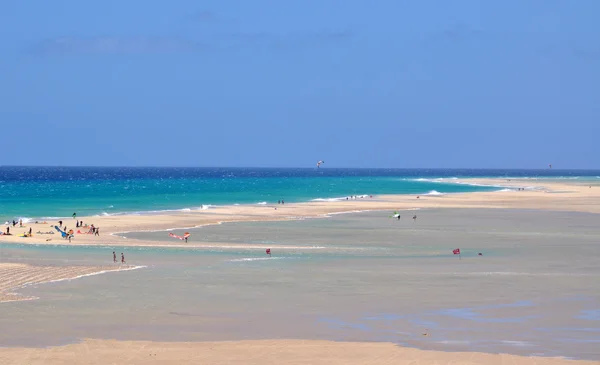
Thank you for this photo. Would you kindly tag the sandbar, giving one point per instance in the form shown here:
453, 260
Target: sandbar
538, 194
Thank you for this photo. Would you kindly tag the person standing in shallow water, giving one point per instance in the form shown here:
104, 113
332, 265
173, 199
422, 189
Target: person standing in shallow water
74, 215
122, 258
114, 257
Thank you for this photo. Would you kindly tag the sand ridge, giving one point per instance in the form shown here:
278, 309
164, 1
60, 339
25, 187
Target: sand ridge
16, 275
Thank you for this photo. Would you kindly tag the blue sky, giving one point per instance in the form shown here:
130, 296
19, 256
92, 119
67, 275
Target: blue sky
285, 83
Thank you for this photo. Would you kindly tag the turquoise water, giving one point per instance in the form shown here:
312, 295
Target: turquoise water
31, 192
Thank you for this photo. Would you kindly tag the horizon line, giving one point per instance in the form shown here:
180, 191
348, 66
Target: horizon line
307, 168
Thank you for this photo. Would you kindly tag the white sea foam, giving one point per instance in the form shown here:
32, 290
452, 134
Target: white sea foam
434, 193
454, 180
517, 343
351, 197
25, 219
328, 199
347, 212
250, 259
262, 203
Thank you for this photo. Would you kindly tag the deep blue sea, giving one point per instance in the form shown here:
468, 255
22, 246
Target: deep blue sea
37, 192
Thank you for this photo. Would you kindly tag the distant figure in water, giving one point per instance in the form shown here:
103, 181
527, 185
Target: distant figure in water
398, 216
114, 257
414, 218
74, 215
480, 254
122, 258
282, 202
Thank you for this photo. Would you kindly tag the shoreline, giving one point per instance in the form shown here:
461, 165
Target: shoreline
361, 197
544, 195
264, 204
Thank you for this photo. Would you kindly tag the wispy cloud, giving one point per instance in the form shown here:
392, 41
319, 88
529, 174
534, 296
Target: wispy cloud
106, 45
456, 33
586, 53
203, 16
287, 41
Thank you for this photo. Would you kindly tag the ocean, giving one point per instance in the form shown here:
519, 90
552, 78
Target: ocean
50, 192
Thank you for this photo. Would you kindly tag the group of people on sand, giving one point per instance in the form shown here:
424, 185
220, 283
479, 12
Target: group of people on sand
8, 225
79, 224
354, 197
69, 233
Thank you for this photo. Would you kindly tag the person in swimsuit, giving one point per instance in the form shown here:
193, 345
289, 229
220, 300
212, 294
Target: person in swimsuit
114, 257
122, 258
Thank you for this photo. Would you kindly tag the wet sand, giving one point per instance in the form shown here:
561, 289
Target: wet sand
15, 275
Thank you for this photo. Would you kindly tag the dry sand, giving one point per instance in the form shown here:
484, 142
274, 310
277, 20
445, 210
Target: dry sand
14, 276
264, 352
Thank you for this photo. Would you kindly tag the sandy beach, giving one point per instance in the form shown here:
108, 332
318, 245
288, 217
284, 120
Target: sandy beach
267, 352
262, 339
